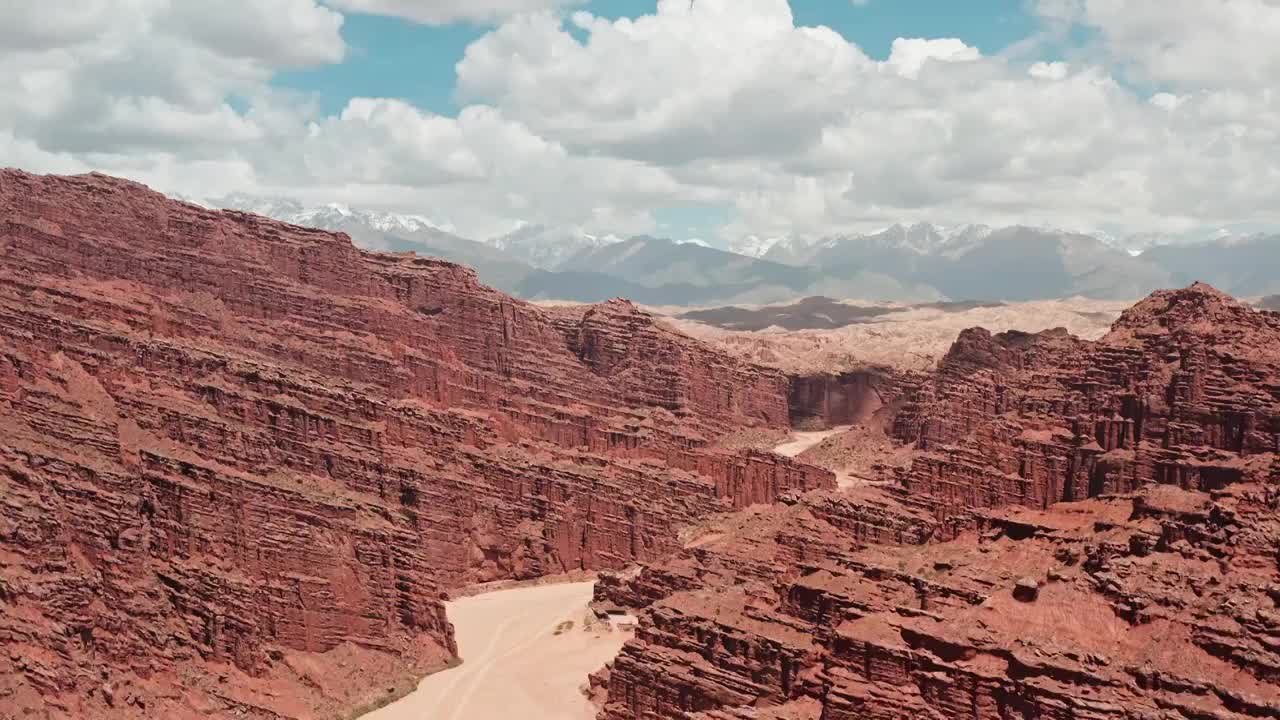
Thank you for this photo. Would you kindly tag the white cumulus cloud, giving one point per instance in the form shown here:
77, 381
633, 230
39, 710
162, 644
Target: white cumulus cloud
1183, 43
1049, 70
127, 76
711, 78
595, 123
910, 55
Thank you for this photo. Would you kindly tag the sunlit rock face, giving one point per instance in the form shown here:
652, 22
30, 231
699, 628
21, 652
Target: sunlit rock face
242, 461
1084, 530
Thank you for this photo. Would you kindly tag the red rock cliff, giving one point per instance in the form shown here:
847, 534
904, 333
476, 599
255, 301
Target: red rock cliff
1086, 530
241, 461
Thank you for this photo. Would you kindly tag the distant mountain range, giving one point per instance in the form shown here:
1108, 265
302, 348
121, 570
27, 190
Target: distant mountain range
922, 239
915, 263
548, 248
813, 313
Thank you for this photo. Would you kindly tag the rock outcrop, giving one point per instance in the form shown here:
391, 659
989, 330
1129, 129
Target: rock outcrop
1084, 530
241, 462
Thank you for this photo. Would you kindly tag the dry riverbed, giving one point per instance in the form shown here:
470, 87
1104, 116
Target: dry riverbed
526, 653
801, 441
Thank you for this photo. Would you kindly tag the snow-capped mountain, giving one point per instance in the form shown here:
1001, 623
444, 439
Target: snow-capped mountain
393, 232
548, 248
917, 239
695, 241
906, 262
331, 216
921, 238
755, 246
926, 238
1138, 243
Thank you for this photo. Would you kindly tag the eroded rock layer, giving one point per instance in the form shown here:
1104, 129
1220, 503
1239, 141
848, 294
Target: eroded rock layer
241, 461
1085, 530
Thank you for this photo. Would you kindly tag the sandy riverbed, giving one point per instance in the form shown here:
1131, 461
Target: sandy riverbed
514, 665
802, 441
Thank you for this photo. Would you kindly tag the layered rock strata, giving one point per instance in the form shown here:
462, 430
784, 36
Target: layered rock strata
241, 462
1085, 530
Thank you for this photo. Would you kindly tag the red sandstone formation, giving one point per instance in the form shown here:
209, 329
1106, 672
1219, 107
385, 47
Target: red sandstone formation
1085, 531
241, 461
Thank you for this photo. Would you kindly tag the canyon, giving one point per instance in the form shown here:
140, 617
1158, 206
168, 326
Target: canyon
1083, 529
244, 464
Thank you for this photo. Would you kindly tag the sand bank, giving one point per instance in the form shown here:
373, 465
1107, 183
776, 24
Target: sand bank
520, 661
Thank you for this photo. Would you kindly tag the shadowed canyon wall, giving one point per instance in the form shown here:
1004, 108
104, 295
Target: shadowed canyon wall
827, 400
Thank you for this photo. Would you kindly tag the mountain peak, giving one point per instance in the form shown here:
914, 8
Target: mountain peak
330, 215
757, 246
549, 247
1199, 308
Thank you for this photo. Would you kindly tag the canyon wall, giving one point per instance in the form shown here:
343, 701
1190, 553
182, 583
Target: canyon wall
1084, 530
828, 400
241, 462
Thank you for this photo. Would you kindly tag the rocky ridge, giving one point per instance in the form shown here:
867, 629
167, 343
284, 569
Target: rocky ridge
1084, 530
241, 462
